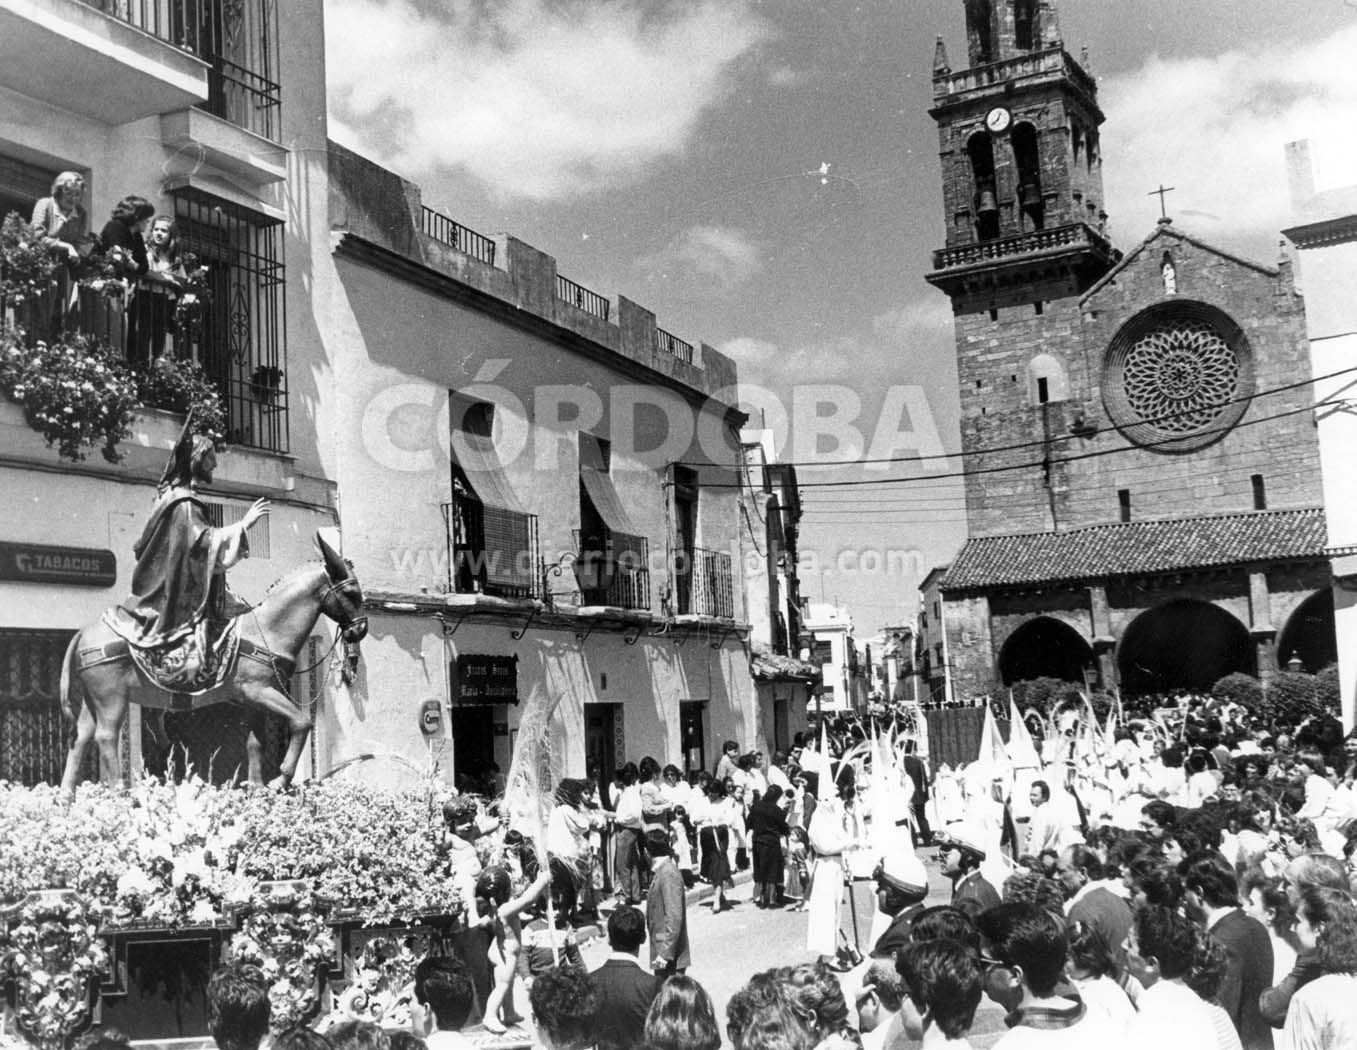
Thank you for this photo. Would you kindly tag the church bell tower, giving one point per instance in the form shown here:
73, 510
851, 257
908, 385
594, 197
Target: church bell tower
1022, 193
1021, 164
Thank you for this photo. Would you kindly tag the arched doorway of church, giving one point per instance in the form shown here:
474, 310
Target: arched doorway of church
1182, 644
1044, 648
1310, 634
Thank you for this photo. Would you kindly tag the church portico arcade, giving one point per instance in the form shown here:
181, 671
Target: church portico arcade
1155, 617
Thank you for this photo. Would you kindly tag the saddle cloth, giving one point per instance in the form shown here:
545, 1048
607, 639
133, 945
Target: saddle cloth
195, 664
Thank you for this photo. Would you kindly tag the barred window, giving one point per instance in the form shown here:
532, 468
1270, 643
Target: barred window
242, 343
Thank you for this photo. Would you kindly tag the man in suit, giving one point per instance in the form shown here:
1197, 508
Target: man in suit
666, 908
961, 857
625, 989
1211, 896
918, 778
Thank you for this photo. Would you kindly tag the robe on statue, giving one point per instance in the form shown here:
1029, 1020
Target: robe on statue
178, 585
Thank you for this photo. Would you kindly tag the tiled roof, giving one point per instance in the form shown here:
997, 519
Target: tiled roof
1136, 548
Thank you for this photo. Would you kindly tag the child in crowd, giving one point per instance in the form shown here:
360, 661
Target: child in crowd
943, 982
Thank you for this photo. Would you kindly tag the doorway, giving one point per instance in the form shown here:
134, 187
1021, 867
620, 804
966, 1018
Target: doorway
600, 744
782, 736
473, 746
692, 734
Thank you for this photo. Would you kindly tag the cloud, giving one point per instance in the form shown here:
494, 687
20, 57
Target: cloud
716, 254
1214, 128
535, 99
924, 319
750, 352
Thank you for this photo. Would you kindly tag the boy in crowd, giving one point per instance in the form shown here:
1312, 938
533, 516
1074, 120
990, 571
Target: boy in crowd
565, 1009
444, 989
238, 1007
942, 980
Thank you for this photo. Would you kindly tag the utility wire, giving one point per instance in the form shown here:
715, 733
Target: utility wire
1038, 442
1053, 462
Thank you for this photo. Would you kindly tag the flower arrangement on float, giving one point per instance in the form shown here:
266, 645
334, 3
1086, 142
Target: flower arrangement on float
182, 856
192, 854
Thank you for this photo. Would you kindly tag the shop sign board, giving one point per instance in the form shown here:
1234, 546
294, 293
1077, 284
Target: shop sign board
482, 679
75, 566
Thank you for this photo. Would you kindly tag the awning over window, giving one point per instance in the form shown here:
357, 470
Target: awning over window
603, 495
475, 459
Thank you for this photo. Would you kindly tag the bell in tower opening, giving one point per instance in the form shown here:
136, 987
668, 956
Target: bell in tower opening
981, 150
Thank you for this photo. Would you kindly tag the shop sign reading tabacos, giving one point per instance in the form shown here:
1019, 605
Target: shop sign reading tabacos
486, 679
76, 566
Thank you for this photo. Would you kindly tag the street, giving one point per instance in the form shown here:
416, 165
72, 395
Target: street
728, 948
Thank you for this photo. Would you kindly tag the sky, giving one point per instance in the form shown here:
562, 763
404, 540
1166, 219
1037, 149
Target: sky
764, 177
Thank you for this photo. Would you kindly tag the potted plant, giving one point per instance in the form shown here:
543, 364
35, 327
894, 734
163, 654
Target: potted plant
265, 384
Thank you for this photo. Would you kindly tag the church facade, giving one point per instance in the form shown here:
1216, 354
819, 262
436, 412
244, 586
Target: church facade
1142, 471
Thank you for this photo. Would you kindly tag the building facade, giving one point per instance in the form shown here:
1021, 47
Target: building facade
542, 490
783, 683
1325, 238
1143, 490
832, 646
191, 107
931, 646
376, 357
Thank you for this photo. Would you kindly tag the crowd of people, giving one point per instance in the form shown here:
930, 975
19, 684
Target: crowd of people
1187, 881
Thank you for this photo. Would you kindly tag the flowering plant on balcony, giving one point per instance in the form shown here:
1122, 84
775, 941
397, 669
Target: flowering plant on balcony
26, 266
194, 293
74, 391
180, 385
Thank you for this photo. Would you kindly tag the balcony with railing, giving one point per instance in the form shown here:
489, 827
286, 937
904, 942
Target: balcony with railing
613, 570
668, 343
567, 291
491, 550
704, 583
461, 238
112, 60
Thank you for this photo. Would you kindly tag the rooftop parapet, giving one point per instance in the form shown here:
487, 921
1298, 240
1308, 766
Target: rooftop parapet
377, 206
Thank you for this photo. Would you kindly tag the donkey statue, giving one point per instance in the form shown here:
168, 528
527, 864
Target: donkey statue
100, 677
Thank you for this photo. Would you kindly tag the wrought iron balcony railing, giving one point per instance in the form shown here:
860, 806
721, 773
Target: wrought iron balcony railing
667, 343
238, 39
613, 569
704, 583
491, 551
444, 230
578, 295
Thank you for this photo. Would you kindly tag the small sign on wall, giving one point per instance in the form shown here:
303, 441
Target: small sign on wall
76, 566
479, 679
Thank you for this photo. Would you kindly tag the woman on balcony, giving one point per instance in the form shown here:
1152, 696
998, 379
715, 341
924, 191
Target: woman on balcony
62, 224
162, 283
123, 238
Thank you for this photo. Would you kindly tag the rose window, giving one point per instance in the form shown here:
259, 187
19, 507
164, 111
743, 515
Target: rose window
1180, 377
1177, 376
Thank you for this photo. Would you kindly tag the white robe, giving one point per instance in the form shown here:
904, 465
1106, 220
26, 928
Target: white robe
828, 839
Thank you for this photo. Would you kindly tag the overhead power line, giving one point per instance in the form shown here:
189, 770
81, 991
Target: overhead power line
1039, 442
1053, 461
